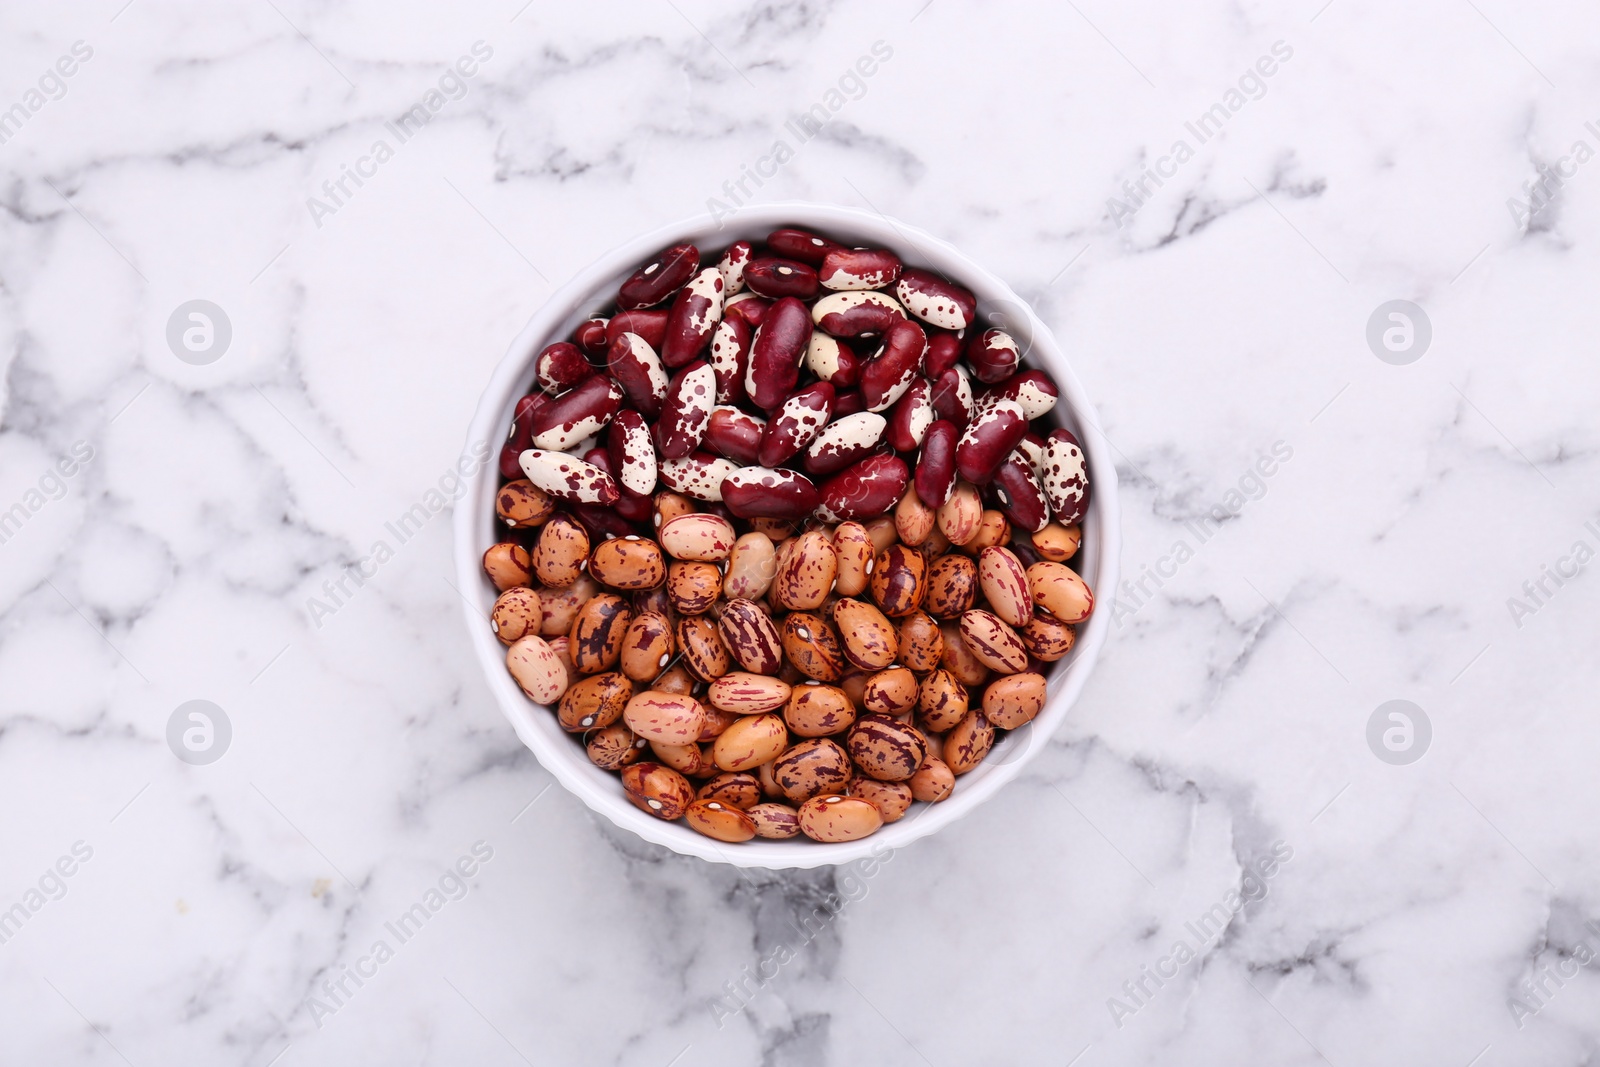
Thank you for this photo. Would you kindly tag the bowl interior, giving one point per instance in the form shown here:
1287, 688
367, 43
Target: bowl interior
592, 290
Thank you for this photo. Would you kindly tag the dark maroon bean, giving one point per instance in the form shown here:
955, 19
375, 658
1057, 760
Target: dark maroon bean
601, 522
1019, 493
521, 436
993, 356
749, 307
590, 336
764, 493
911, 416
730, 358
577, 413
651, 325
858, 268
859, 314
803, 245
936, 301
695, 313
988, 440
1032, 389
631, 455
778, 278
887, 376
631, 506
952, 396
845, 441
560, 367
637, 368
944, 351
796, 423
936, 463
659, 278
848, 403
1066, 477
732, 266
866, 490
776, 352
687, 409
735, 434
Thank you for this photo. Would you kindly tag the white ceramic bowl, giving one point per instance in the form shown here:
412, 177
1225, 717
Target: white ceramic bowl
593, 289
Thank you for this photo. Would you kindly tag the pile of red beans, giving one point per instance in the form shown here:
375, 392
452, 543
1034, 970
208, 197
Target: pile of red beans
728, 460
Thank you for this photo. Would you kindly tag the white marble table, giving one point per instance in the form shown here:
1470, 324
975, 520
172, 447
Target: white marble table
1402, 546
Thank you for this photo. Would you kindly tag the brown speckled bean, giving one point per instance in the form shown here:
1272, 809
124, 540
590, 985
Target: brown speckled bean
838, 818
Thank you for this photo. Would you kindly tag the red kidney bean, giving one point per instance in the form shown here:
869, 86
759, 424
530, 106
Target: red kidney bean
765, 493
858, 314
601, 522
1019, 493
735, 434
776, 352
730, 357
684, 414
1066, 477
936, 301
576, 414
952, 396
866, 490
944, 351
848, 403
803, 245
650, 325
911, 416
936, 463
590, 336
659, 278
833, 361
993, 356
858, 268
845, 441
796, 424
732, 266
631, 506
632, 456
747, 306
695, 313
637, 368
567, 478
778, 278
1032, 389
988, 440
699, 475
520, 439
887, 376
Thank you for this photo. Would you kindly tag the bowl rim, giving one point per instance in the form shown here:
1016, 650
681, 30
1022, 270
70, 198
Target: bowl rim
593, 287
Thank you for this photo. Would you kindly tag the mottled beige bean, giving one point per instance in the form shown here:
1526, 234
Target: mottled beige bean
597, 633
1059, 590
933, 781
995, 644
775, 821
657, 789
885, 748
744, 693
614, 748
518, 612
521, 504
921, 644
692, 587
628, 563
811, 768
806, 573
890, 692
507, 565
1005, 585
668, 717
647, 647
943, 701
536, 669
892, 799
960, 516
751, 566
868, 638
738, 788
967, 742
818, 710
1058, 543
836, 818
720, 821
750, 742
1014, 701
811, 646
594, 703
701, 537
856, 554
561, 552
